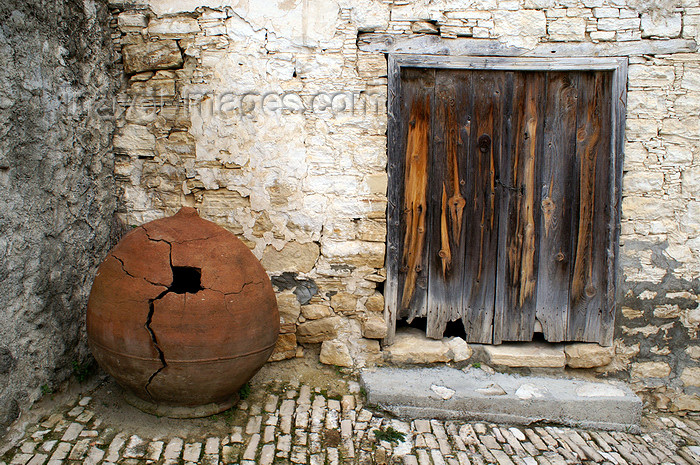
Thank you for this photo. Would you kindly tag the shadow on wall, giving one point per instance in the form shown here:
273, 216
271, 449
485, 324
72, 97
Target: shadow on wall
57, 198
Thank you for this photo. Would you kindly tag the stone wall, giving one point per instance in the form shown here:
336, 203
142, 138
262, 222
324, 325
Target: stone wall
57, 197
270, 118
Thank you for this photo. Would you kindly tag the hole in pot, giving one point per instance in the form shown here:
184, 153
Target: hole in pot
186, 279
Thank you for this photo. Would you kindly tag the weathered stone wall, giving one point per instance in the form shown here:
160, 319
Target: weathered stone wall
243, 110
57, 199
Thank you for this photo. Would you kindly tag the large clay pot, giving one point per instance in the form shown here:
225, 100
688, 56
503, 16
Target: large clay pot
182, 314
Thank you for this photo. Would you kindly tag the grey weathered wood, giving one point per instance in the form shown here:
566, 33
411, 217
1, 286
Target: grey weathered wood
516, 279
394, 175
481, 214
557, 190
447, 203
436, 45
589, 272
617, 143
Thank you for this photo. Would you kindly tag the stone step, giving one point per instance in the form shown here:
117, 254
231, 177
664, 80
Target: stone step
473, 394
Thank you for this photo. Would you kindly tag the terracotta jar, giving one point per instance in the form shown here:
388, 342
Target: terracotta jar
182, 314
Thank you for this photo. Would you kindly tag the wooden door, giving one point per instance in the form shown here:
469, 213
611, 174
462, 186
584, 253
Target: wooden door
505, 203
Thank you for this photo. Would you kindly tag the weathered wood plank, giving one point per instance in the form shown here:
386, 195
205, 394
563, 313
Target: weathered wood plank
556, 165
516, 280
395, 182
483, 136
447, 203
415, 127
436, 45
588, 291
617, 143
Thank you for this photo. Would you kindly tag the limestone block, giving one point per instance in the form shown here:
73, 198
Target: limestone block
650, 370
370, 346
650, 76
355, 253
567, 29
410, 11
606, 12
687, 402
657, 24
289, 307
640, 182
522, 27
294, 256
635, 154
131, 22
317, 66
346, 185
134, 140
688, 104
156, 87
371, 230
174, 26
375, 302
641, 103
335, 353
377, 183
691, 81
693, 352
690, 221
371, 65
318, 330
641, 129
315, 311
344, 303
412, 346
539, 4
691, 27
632, 313
150, 56
645, 208
285, 348
374, 326
368, 15
617, 24
459, 349
531, 354
691, 376
588, 355
681, 129
667, 311
602, 35
423, 27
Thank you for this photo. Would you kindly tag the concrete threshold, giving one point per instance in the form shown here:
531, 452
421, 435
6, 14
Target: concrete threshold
473, 394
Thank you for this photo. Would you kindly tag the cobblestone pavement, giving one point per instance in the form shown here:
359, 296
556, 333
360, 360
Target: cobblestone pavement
297, 423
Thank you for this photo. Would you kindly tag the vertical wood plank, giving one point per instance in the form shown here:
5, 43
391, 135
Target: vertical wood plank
557, 191
415, 128
395, 148
447, 204
516, 281
481, 220
617, 142
589, 286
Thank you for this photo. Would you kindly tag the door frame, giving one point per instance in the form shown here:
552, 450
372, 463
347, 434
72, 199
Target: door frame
397, 61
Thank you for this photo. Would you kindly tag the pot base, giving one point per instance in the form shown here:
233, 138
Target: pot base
179, 411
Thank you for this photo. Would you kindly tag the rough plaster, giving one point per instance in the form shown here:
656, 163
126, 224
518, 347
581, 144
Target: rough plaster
56, 187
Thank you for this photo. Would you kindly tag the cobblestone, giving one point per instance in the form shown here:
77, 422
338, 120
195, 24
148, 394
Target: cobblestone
307, 425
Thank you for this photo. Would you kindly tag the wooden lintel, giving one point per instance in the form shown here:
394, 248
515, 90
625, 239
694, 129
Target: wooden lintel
435, 45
